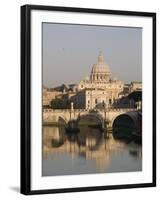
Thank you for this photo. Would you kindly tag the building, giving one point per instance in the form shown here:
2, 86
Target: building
135, 86
89, 98
100, 89
49, 95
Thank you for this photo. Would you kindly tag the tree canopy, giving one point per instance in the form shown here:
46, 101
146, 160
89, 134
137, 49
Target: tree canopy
136, 96
60, 104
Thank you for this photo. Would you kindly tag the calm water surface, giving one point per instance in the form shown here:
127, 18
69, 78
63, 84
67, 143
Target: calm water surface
87, 152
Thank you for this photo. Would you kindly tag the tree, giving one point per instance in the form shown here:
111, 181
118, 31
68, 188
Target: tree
136, 96
60, 104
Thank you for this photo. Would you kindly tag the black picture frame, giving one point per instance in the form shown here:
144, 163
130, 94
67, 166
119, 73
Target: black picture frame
26, 98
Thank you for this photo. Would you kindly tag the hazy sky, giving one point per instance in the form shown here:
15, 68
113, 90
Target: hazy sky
69, 51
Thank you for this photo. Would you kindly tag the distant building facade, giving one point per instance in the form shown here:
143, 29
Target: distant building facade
135, 86
49, 95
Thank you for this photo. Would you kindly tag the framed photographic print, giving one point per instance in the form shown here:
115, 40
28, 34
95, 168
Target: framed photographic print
88, 99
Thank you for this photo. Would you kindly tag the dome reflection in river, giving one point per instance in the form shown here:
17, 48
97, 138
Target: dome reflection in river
89, 145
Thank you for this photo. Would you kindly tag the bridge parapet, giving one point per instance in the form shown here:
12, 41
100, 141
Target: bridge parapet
64, 110
107, 115
122, 109
46, 110
86, 110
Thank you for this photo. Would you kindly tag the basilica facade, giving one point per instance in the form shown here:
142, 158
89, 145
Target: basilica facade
100, 89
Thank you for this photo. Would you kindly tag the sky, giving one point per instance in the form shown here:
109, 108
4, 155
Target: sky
70, 50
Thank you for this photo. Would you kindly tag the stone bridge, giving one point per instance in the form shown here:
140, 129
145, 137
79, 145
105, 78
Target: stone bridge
104, 115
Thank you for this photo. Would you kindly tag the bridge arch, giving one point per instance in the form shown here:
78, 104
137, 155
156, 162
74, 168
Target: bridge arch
123, 118
96, 115
127, 122
62, 119
117, 114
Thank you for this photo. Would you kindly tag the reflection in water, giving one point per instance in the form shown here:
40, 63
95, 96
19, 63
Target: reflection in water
88, 151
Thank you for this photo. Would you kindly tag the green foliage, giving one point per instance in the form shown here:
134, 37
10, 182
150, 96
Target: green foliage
60, 104
136, 96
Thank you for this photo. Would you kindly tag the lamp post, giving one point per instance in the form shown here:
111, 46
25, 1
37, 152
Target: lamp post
104, 119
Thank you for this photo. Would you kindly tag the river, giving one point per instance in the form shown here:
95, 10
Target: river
86, 152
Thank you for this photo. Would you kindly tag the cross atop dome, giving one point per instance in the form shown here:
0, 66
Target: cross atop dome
100, 57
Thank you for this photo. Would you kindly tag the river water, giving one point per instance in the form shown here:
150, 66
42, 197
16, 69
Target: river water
89, 151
